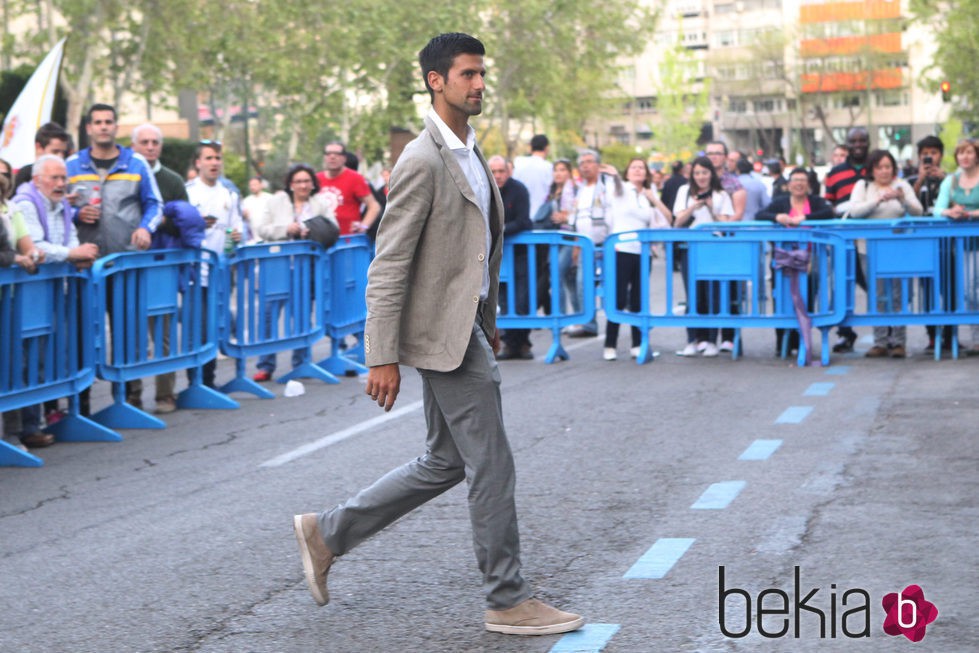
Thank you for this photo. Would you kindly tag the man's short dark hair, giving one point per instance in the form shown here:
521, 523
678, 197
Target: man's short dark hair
50, 131
744, 166
205, 143
539, 143
931, 141
677, 167
442, 50
100, 107
721, 143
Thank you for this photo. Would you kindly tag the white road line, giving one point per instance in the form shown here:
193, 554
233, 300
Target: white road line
340, 436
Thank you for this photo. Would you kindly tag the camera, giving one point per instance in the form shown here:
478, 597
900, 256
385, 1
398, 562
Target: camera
704, 195
928, 160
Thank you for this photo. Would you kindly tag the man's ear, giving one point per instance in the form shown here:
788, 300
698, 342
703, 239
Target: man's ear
434, 81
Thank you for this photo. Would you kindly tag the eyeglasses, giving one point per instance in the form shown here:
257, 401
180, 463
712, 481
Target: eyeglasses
715, 153
334, 153
301, 181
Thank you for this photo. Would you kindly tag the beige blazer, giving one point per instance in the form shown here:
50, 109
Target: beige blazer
423, 285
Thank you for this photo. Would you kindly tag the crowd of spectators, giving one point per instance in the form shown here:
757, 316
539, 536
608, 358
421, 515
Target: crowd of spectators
77, 206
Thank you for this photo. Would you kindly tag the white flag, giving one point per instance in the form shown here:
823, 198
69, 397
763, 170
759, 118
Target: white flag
31, 110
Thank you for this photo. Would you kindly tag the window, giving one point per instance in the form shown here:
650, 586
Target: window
725, 39
765, 105
737, 105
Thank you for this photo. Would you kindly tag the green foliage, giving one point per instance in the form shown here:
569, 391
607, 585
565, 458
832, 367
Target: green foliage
957, 21
681, 110
349, 71
951, 134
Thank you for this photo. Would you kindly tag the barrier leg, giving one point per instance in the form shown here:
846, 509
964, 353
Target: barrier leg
11, 456
736, 352
824, 331
197, 395
241, 383
121, 415
645, 351
557, 349
308, 370
73, 427
338, 364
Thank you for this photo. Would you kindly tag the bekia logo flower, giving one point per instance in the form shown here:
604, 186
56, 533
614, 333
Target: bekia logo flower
908, 613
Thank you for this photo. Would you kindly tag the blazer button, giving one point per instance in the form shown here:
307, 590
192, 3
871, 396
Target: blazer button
480, 258
475, 299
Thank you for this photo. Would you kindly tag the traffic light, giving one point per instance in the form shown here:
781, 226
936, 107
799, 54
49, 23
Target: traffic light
946, 91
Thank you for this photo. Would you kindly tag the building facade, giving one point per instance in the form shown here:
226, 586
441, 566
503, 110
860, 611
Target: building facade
788, 77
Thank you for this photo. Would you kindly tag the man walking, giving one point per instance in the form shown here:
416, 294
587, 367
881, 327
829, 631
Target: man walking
431, 304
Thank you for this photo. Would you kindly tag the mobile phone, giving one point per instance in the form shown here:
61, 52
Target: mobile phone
928, 160
704, 195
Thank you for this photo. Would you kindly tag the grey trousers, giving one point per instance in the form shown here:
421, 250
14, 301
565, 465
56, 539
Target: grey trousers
466, 440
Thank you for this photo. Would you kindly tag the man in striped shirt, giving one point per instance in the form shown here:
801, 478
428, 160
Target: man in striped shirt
839, 184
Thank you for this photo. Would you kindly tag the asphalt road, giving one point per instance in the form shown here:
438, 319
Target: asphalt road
181, 539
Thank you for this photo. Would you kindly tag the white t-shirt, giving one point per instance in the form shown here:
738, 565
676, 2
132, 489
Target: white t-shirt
631, 211
720, 201
590, 216
537, 174
220, 202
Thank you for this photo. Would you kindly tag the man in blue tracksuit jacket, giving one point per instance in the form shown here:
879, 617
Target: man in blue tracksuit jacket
119, 208
128, 206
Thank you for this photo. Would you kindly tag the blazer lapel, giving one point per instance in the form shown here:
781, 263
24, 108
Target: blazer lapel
451, 164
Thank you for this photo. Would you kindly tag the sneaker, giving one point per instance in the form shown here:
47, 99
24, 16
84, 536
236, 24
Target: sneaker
578, 331
898, 351
315, 555
876, 352
727, 346
609, 354
634, 352
845, 343
165, 406
701, 346
261, 376
710, 350
136, 401
532, 617
689, 350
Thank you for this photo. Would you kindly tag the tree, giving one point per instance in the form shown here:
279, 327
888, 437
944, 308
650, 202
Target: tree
956, 51
681, 109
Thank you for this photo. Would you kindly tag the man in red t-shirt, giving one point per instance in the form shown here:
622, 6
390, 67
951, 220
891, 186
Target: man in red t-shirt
349, 188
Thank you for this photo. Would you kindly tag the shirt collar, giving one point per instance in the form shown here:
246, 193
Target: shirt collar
155, 168
451, 140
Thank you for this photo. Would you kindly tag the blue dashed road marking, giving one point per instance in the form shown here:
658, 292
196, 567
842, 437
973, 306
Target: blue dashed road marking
590, 638
760, 450
660, 558
719, 495
794, 414
818, 389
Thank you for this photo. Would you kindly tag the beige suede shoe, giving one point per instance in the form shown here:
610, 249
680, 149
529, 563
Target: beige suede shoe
532, 617
315, 555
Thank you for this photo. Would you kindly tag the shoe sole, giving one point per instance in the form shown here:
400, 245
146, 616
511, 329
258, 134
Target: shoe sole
307, 558
553, 629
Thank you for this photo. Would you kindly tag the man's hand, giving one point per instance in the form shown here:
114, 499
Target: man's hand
83, 255
89, 214
236, 236
25, 261
141, 238
496, 342
383, 384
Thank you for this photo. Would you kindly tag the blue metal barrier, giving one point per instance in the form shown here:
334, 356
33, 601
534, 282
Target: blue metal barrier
917, 271
343, 301
155, 297
733, 265
558, 317
46, 355
270, 278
